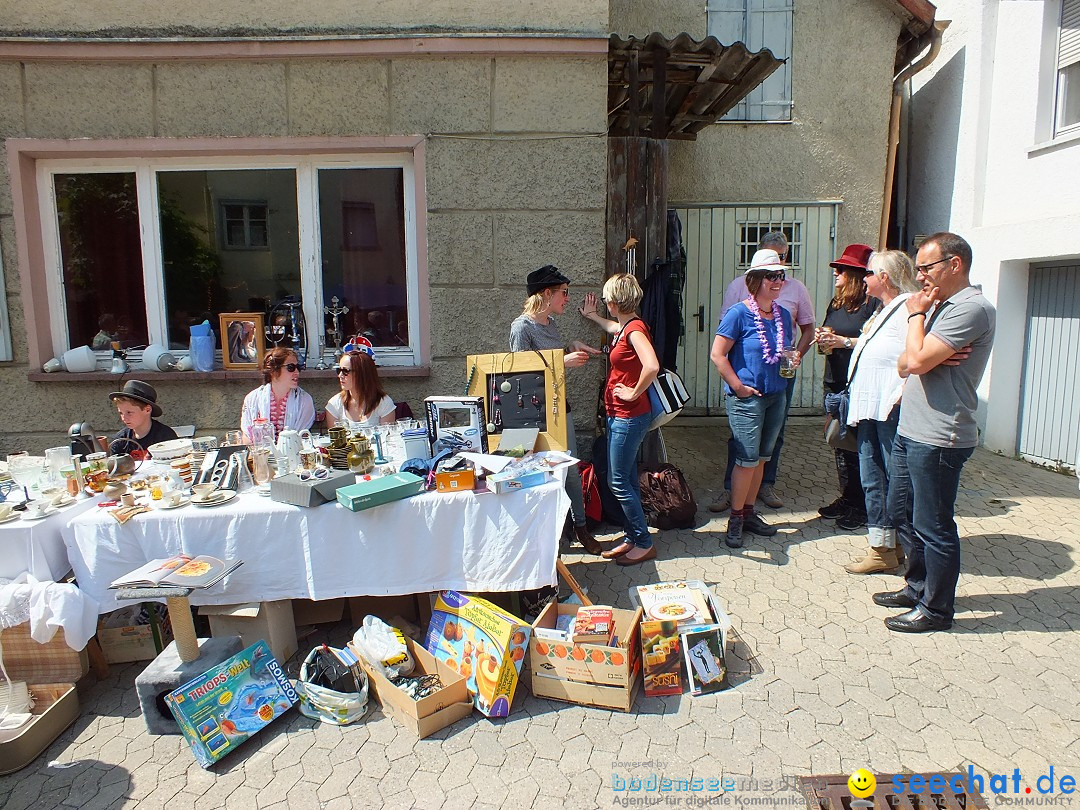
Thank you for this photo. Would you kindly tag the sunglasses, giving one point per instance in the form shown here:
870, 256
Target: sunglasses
779, 275
343, 371
318, 472
291, 367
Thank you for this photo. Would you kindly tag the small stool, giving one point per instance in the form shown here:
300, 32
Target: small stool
185, 658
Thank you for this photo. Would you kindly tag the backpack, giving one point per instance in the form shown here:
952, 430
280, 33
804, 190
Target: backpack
594, 512
667, 500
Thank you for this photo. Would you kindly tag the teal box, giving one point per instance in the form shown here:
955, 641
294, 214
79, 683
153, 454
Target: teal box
512, 481
379, 490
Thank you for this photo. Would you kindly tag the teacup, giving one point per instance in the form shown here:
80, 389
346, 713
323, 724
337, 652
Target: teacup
173, 497
36, 508
203, 491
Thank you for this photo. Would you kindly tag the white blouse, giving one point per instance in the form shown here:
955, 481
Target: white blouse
877, 385
336, 408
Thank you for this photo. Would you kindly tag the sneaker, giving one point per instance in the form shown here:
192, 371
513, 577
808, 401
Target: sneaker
755, 525
851, 520
834, 510
723, 503
734, 537
767, 495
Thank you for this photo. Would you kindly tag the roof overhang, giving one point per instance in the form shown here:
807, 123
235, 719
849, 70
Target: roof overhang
673, 88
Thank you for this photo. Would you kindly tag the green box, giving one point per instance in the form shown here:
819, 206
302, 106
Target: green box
379, 490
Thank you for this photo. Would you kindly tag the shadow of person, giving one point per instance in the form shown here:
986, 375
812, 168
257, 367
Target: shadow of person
1041, 610
1014, 555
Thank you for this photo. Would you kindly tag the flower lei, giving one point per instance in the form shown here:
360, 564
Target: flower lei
766, 355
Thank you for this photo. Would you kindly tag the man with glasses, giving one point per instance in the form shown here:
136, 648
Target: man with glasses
949, 337
795, 298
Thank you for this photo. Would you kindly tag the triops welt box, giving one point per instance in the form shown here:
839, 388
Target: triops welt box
483, 643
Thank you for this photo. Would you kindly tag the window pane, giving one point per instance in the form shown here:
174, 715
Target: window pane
1069, 101
204, 274
101, 258
362, 213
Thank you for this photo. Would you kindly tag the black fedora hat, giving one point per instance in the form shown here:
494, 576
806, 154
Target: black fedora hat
140, 392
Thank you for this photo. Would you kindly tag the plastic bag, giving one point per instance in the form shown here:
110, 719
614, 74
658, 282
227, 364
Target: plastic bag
383, 647
202, 353
329, 705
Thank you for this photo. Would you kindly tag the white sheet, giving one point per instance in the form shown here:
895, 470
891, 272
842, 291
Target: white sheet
36, 547
426, 543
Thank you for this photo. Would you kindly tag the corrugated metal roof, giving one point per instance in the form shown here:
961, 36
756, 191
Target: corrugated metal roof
699, 81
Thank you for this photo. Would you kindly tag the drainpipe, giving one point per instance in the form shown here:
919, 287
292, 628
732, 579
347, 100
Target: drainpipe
894, 124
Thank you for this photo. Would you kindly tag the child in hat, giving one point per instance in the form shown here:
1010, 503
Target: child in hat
137, 406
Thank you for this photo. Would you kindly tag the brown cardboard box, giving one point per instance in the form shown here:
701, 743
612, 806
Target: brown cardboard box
136, 642
455, 481
271, 622
323, 611
588, 674
426, 716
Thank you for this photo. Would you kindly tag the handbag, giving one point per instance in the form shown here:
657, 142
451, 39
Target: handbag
668, 396
838, 440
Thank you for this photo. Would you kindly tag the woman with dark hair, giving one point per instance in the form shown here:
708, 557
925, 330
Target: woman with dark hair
280, 400
362, 402
850, 309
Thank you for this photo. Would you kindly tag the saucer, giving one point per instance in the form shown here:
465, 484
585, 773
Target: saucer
263, 489
50, 511
162, 505
216, 499
9, 518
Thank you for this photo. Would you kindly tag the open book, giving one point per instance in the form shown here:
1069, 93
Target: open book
180, 571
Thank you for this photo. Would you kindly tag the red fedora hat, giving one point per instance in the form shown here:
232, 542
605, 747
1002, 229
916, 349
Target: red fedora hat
855, 256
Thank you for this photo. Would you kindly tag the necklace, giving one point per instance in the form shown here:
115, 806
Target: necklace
759, 322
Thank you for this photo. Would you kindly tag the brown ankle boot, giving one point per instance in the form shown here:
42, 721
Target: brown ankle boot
876, 561
585, 537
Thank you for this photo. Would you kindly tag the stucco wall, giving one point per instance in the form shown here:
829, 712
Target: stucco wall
523, 188
114, 17
835, 146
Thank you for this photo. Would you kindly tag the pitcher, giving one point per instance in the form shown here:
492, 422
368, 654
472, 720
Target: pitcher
289, 446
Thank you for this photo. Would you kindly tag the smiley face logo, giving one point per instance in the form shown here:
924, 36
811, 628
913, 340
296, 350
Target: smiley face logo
861, 783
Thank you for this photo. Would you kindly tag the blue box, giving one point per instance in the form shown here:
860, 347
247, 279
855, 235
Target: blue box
513, 480
379, 490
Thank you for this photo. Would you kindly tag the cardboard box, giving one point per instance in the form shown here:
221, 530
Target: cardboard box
139, 642
379, 490
313, 492
56, 706
322, 611
512, 481
588, 674
485, 644
425, 716
456, 421
271, 622
455, 481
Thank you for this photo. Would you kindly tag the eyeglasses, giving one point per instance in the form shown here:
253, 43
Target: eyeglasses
291, 367
922, 268
779, 275
318, 472
565, 293
343, 371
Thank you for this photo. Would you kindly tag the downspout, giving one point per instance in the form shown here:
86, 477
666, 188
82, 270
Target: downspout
894, 124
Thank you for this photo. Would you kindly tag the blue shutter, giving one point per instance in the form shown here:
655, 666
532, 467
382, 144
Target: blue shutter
758, 24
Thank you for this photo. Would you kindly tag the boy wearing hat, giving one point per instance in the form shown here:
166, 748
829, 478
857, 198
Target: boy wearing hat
137, 406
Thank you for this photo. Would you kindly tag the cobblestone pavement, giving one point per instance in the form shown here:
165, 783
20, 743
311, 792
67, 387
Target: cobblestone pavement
820, 686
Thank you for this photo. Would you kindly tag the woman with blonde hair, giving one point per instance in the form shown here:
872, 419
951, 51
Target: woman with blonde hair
362, 402
629, 413
280, 400
874, 389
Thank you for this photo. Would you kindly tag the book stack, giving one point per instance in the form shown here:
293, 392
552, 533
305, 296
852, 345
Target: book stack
594, 625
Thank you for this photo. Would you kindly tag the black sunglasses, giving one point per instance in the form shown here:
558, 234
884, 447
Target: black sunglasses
779, 275
291, 367
345, 371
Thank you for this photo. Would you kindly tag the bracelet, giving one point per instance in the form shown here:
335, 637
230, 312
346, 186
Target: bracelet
915, 315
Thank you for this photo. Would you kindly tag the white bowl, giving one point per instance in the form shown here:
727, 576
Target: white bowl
170, 450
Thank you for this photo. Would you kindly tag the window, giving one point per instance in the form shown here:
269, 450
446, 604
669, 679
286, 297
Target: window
758, 24
750, 234
1067, 101
144, 248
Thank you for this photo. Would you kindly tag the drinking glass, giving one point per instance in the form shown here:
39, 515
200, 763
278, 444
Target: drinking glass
21, 471
787, 364
234, 438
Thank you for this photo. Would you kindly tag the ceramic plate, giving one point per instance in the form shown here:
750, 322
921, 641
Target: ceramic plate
163, 505
219, 497
50, 511
9, 518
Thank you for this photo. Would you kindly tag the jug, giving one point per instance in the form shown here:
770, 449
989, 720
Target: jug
56, 459
120, 464
261, 433
289, 445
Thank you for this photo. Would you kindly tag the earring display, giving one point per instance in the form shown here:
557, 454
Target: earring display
522, 390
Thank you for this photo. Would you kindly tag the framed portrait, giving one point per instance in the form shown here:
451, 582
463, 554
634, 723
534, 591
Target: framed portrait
242, 339
522, 391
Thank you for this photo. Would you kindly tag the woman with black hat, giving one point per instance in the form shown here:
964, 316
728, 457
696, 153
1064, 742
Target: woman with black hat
549, 291
137, 406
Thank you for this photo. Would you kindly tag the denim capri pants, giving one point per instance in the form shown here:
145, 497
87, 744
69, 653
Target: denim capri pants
755, 423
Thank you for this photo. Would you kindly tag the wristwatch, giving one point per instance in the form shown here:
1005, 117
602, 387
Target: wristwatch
847, 343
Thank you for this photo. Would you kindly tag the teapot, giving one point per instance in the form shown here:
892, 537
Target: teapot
120, 464
289, 444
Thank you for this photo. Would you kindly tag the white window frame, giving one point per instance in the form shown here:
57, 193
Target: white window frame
744, 21
306, 170
1066, 55
247, 205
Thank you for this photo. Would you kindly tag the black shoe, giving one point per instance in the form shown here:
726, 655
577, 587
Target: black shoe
836, 509
915, 621
755, 525
894, 599
734, 538
851, 520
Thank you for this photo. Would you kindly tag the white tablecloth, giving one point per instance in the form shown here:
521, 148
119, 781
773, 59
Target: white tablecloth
425, 543
37, 546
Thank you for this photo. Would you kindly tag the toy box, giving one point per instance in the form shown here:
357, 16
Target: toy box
587, 674
223, 707
485, 644
513, 480
455, 480
379, 490
456, 423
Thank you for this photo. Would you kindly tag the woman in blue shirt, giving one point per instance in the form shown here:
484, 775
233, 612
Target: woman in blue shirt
747, 352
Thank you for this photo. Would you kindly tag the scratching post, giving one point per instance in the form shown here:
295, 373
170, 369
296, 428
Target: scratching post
187, 645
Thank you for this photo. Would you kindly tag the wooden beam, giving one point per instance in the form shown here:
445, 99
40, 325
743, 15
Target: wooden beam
659, 96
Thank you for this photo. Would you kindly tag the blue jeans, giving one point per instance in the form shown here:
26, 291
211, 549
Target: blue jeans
875, 451
624, 441
923, 481
768, 477
755, 423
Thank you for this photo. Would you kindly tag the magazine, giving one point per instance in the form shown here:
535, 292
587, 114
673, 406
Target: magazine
180, 571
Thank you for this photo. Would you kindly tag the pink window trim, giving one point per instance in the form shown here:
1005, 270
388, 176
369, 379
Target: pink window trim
24, 154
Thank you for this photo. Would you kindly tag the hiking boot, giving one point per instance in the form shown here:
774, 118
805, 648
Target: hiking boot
876, 561
767, 495
734, 537
723, 503
587, 540
836, 509
755, 525
851, 520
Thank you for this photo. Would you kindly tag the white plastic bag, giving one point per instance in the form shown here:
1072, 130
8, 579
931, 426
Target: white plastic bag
329, 705
383, 647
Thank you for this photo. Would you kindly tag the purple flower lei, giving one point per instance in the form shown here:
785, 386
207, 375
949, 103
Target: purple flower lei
766, 355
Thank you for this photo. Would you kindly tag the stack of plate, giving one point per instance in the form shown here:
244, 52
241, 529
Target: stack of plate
339, 459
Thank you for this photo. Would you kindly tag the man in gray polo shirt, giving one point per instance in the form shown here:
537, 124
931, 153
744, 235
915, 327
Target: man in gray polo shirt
950, 335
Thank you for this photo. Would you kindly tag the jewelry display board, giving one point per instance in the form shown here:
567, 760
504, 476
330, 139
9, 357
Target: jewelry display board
522, 390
